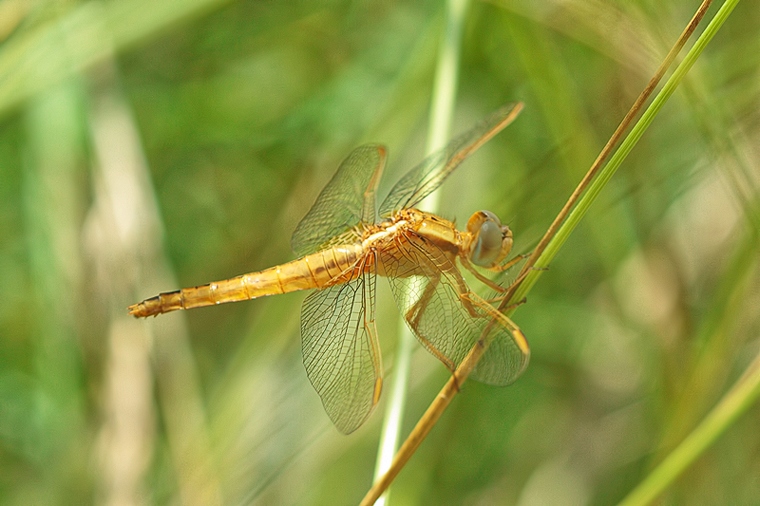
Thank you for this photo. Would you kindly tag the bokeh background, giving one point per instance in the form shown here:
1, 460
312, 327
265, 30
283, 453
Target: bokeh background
150, 145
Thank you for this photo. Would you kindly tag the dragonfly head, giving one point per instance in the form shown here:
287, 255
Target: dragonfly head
490, 240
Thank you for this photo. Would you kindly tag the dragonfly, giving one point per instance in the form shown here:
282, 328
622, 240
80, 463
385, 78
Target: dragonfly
345, 241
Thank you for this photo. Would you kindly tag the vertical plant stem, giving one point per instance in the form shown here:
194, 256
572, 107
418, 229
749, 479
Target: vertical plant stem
441, 111
129, 239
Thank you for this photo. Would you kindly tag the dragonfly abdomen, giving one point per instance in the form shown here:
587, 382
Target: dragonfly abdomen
317, 270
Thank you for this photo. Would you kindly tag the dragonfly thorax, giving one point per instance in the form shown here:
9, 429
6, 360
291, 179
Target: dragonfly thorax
377, 235
407, 223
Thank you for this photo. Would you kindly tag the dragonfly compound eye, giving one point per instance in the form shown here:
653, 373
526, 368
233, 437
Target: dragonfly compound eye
492, 241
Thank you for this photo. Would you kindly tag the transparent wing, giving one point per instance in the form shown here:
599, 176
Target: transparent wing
423, 179
340, 350
348, 199
446, 317
501, 364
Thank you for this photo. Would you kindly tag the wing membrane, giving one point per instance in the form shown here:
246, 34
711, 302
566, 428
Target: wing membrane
423, 179
508, 353
341, 352
429, 291
349, 198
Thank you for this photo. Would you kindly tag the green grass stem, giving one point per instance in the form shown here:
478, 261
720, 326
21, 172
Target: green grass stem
441, 112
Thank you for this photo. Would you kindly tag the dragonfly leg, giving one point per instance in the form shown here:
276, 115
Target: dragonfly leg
500, 298
509, 263
517, 281
500, 318
495, 286
414, 315
497, 268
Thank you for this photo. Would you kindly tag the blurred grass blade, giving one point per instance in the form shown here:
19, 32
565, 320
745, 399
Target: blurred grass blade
625, 148
125, 224
59, 49
743, 394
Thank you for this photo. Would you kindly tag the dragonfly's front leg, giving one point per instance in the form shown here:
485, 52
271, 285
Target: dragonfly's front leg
499, 268
495, 268
509, 263
495, 286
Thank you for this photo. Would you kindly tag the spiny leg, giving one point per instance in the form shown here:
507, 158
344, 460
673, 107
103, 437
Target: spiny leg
509, 263
519, 279
414, 315
496, 268
508, 307
491, 284
503, 293
500, 318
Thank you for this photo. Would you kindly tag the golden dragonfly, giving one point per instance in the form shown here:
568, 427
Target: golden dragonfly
343, 247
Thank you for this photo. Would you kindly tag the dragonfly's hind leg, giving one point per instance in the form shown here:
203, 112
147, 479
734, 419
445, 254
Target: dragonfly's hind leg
414, 315
500, 318
508, 307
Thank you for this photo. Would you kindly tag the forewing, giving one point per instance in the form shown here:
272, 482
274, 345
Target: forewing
428, 289
349, 198
340, 350
423, 179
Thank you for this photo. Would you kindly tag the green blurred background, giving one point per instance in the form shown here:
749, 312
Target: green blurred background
146, 146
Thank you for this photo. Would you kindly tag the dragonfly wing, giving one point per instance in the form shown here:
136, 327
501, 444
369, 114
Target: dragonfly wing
349, 198
423, 179
446, 317
341, 352
504, 360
